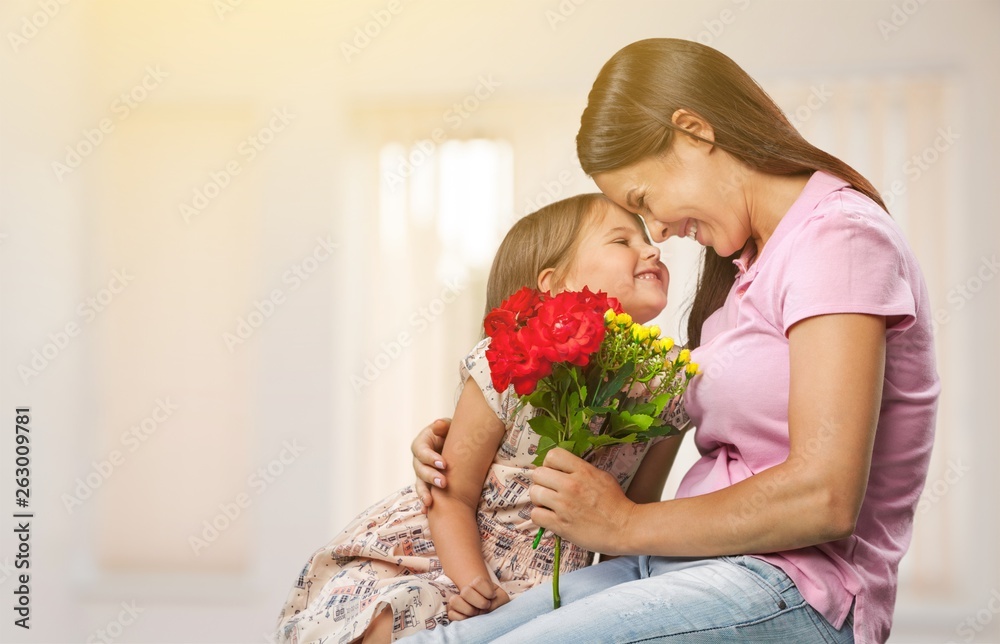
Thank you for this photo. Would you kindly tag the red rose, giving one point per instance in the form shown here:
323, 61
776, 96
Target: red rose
600, 301
523, 304
513, 361
568, 327
530, 371
498, 321
530, 331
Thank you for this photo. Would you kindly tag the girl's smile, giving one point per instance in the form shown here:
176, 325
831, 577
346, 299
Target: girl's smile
616, 257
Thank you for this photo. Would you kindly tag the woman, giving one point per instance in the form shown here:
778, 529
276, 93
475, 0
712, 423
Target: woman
815, 413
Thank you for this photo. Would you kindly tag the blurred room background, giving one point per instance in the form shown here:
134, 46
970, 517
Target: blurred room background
244, 245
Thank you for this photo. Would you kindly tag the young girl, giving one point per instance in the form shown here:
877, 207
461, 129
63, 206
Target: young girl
383, 577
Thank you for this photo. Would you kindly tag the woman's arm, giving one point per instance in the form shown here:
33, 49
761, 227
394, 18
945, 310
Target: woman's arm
473, 440
428, 463
814, 496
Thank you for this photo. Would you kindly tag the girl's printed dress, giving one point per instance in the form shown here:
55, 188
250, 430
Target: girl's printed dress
386, 559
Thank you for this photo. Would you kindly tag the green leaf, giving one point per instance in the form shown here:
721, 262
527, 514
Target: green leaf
544, 445
537, 398
604, 440
660, 430
544, 425
660, 403
601, 440
567, 445
642, 421
644, 408
615, 384
594, 380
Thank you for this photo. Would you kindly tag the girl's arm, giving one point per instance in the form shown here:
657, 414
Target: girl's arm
647, 484
814, 496
473, 441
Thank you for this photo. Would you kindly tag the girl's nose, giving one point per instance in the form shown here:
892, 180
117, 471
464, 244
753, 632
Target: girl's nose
652, 252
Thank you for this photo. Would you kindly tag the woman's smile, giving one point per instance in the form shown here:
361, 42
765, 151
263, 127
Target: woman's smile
692, 230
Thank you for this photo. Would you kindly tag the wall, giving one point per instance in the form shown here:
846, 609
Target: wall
274, 417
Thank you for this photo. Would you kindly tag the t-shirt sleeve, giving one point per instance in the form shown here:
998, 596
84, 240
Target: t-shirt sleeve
845, 260
476, 366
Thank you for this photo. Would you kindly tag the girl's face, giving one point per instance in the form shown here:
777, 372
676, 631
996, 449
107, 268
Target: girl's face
613, 256
687, 192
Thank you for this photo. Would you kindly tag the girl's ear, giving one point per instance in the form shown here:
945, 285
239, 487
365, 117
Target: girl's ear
546, 280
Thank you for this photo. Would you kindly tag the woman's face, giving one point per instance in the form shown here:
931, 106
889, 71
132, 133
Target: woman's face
613, 256
693, 190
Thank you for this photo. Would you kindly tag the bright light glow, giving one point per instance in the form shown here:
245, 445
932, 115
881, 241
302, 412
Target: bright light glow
463, 192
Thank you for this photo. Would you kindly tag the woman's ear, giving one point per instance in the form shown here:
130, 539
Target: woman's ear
693, 124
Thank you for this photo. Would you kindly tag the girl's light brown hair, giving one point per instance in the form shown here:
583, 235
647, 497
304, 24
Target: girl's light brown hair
547, 238
628, 118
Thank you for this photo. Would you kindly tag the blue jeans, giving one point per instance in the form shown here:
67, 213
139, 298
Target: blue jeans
656, 599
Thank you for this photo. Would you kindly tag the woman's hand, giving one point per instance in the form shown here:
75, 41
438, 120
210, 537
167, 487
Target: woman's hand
428, 464
477, 598
579, 502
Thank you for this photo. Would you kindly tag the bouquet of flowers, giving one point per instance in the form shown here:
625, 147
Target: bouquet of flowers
582, 362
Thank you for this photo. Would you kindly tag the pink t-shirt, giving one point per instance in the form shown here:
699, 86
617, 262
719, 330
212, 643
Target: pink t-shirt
834, 251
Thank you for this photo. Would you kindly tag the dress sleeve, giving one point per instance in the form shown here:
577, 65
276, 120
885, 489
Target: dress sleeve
848, 260
674, 412
478, 367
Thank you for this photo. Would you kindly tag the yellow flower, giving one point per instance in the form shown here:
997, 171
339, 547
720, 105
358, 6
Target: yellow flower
684, 357
640, 332
691, 369
656, 346
654, 331
667, 344
609, 316
623, 319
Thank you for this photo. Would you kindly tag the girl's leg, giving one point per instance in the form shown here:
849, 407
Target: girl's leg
573, 587
682, 600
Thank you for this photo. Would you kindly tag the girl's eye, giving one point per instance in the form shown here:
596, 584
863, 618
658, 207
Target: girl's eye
621, 241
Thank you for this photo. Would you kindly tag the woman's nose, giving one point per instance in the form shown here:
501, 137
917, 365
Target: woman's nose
657, 229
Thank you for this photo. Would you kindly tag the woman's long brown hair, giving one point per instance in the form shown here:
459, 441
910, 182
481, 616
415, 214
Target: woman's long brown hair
628, 118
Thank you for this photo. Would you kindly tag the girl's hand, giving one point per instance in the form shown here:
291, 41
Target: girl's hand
428, 464
580, 503
479, 597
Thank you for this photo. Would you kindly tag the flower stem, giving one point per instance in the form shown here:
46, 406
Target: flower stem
555, 574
